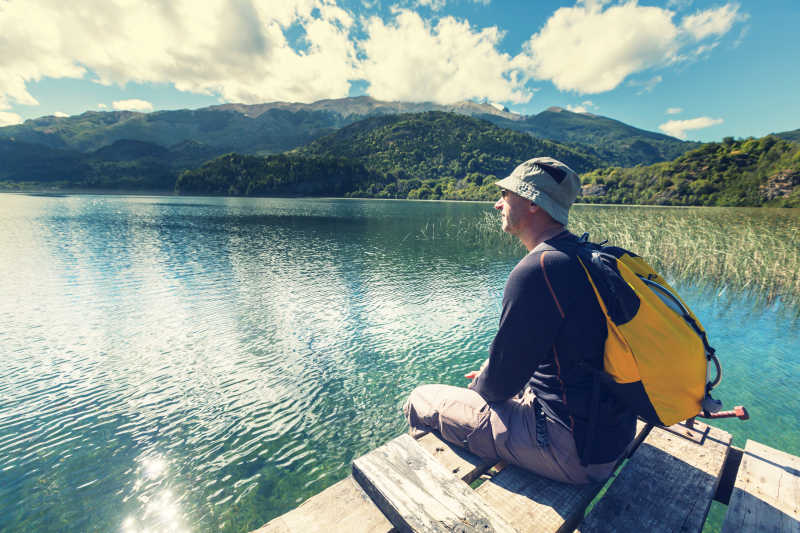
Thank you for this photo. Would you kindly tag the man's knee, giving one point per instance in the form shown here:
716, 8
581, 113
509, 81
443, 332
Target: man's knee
421, 408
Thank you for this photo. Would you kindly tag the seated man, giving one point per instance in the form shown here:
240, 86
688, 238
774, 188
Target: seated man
536, 402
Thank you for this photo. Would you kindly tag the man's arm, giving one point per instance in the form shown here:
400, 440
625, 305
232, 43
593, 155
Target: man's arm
529, 323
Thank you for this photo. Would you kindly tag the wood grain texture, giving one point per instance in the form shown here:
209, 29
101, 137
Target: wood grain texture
766, 495
341, 508
418, 494
534, 504
667, 485
458, 461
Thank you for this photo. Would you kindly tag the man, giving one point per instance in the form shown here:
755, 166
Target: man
536, 402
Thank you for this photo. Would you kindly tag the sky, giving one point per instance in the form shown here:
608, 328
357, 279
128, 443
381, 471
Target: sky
694, 69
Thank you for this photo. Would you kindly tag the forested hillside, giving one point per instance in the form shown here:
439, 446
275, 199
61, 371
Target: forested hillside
275, 175
423, 155
612, 141
749, 172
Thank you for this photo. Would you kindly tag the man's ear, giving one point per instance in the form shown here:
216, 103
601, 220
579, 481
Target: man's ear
533, 207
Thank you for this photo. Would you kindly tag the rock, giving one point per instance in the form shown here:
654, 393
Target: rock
780, 184
593, 189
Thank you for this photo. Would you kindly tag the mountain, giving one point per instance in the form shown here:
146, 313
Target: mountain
280, 126
419, 155
125, 164
26, 161
612, 141
226, 130
748, 172
250, 129
362, 106
793, 135
436, 144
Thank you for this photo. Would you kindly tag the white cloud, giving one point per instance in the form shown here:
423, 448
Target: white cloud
674, 110
238, 50
740, 39
647, 86
583, 108
102, 106
678, 128
9, 119
233, 48
712, 22
410, 59
593, 47
436, 5
60, 114
133, 104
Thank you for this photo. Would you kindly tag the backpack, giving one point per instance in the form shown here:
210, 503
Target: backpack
657, 357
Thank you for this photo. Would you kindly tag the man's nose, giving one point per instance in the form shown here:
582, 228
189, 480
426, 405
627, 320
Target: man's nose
498, 204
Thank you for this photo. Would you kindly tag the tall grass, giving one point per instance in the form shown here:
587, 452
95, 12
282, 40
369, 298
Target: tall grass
739, 249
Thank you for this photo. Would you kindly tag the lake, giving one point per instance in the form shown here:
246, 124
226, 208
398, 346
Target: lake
198, 364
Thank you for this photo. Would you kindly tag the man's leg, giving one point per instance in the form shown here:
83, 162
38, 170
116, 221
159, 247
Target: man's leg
458, 414
508, 431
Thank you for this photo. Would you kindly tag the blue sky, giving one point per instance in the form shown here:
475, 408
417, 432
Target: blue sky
695, 69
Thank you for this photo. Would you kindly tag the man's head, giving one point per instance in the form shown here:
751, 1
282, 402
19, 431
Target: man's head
548, 183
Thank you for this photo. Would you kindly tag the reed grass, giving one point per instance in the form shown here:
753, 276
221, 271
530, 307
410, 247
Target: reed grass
755, 251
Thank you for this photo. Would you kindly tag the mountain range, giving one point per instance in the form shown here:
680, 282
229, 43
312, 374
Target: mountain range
271, 128
129, 150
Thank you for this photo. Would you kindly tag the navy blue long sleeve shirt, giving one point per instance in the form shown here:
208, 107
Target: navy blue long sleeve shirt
550, 323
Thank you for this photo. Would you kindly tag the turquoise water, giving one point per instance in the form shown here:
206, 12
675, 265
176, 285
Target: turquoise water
197, 364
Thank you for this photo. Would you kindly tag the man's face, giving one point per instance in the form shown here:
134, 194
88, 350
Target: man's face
514, 210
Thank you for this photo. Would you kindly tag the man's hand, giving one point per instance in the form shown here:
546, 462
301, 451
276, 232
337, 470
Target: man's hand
471, 375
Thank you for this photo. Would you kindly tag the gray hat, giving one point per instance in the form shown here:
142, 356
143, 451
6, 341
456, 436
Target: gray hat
548, 183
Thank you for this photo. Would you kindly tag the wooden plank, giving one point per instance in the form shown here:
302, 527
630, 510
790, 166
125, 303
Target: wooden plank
458, 461
766, 495
667, 485
345, 507
341, 508
418, 494
536, 504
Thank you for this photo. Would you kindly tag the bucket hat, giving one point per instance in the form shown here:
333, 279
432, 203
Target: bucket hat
547, 182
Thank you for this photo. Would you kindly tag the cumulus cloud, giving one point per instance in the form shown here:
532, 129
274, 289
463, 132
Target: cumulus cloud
445, 62
582, 108
102, 106
133, 104
593, 46
236, 49
60, 114
674, 110
9, 119
242, 50
678, 128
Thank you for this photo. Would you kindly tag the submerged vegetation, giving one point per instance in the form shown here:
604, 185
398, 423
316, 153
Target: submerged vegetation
755, 251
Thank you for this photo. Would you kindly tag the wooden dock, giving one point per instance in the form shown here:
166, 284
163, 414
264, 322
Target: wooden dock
668, 484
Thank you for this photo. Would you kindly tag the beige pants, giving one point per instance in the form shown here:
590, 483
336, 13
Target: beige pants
504, 431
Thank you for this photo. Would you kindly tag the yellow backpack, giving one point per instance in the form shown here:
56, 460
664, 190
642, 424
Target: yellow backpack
657, 357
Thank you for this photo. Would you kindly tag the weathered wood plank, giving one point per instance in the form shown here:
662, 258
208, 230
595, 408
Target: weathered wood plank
534, 504
668, 485
418, 494
766, 495
345, 507
458, 461
341, 508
